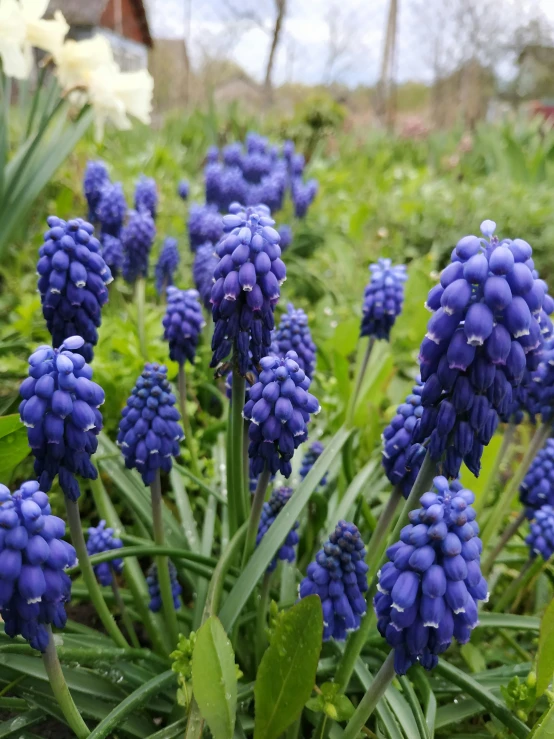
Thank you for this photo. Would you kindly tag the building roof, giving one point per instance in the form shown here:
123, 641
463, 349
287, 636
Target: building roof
93, 12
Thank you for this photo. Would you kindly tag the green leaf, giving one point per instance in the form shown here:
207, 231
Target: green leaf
14, 446
508, 621
545, 655
214, 678
286, 675
15, 725
473, 657
544, 728
278, 531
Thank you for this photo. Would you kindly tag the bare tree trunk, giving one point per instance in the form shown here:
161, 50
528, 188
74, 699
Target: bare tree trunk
281, 8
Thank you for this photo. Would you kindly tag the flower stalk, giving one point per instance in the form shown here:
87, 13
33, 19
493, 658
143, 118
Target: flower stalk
189, 438
359, 378
235, 467
140, 297
255, 513
373, 695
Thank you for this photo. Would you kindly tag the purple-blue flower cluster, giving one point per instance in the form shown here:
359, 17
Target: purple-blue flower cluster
314, 452
111, 209
149, 430
112, 253
33, 557
204, 224
279, 408
402, 459
339, 577
60, 410
541, 538
247, 287
429, 588
294, 333
285, 232
95, 178
203, 267
537, 488
167, 264
183, 189
152, 581
72, 282
383, 298
101, 539
183, 322
271, 509
482, 335
137, 238
146, 195
303, 195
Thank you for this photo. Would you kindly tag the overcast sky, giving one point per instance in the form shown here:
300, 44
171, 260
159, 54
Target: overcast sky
354, 28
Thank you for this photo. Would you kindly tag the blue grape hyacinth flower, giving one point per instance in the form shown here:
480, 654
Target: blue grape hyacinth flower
183, 189
204, 224
101, 539
541, 538
146, 195
112, 253
203, 267
430, 587
72, 282
247, 287
96, 177
111, 209
167, 264
33, 558
339, 577
294, 333
137, 238
149, 430
483, 332
401, 459
310, 458
153, 584
285, 232
383, 298
60, 409
232, 154
212, 154
271, 509
537, 488
279, 408
183, 322
303, 195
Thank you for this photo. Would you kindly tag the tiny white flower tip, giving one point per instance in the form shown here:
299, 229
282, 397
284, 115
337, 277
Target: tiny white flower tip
432, 337
460, 610
398, 608
382, 590
432, 623
35, 600
29, 425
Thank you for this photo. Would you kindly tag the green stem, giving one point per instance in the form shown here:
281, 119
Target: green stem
509, 531
215, 588
358, 380
507, 440
373, 695
140, 298
134, 576
89, 577
499, 512
127, 622
60, 689
529, 570
162, 562
235, 462
261, 639
357, 640
189, 438
379, 537
255, 513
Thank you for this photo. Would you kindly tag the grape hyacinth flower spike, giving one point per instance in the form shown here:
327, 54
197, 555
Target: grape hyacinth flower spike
72, 282
537, 488
33, 557
183, 322
339, 577
111, 209
430, 587
271, 509
279, 408
541, 538
152, 580
183, 189
314, 452
402, 460
204, 224
101, 539
293, 333
483, 332
146, 195
383, 298
112, 253
167, 264
247, 287
137, 238
205, 262
60, 409
95, 179
149, 432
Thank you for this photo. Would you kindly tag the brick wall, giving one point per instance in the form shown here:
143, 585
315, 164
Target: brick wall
132, 21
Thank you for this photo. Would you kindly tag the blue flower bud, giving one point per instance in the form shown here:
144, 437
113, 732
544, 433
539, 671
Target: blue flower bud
383, 298
146, 195
153, 584
271, 509
183, 322
137, 238
101, 539
167, 264
95, 178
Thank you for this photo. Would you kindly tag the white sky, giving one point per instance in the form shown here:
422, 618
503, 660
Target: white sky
212, 29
